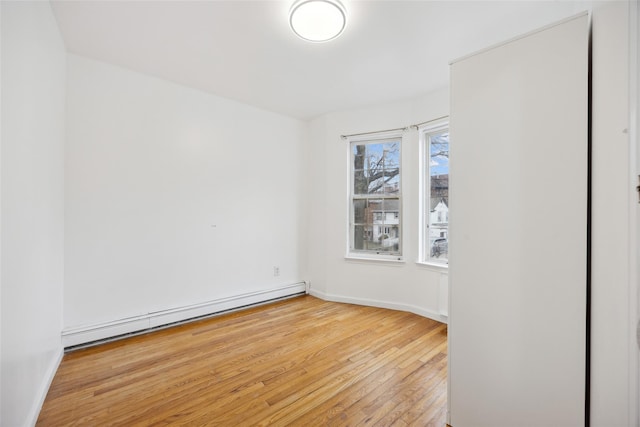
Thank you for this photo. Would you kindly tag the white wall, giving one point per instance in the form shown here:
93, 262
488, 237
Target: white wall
33, 81
407, 285
612, 193
174, 196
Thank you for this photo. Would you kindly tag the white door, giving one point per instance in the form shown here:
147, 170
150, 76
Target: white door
518, 241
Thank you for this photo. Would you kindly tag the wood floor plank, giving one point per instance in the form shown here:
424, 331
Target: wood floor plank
375, 383
301, 361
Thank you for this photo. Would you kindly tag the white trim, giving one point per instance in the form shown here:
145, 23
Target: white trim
84, 334
435, 125
383, 259
430, 314
441, 268
521, 36
634, 230
44, 388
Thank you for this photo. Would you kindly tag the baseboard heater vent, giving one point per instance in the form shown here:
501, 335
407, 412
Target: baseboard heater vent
88, 336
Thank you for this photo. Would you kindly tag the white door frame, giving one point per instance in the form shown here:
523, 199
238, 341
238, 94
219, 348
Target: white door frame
634, 214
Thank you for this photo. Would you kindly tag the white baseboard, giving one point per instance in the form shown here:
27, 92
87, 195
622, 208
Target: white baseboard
85, 334
430, 314
44, 388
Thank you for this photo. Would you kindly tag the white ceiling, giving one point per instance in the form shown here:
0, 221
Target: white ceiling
244, 50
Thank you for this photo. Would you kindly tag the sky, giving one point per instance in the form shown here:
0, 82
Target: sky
439, 165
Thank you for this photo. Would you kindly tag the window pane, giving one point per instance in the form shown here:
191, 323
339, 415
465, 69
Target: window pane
439, 196
376, 186
364, 213
392, 207
375, 173
439, 250
359, 237
392, 185
359, 210
360, 182
360, 176
376, 225
375, 214
376, 168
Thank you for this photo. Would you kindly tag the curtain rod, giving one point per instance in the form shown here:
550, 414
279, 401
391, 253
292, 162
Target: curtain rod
429, 121
373, 132
392, 130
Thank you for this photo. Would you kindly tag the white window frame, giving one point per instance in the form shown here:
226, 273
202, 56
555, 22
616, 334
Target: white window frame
425, 133
356, 254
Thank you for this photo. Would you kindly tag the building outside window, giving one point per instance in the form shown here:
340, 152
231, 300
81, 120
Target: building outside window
435, 210
375, 197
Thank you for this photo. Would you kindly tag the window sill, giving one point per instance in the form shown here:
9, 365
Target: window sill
370, 259
433, 266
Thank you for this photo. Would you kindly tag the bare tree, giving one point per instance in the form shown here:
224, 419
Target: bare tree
372, 171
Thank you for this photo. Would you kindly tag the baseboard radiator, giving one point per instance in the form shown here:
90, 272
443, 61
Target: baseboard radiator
85, 336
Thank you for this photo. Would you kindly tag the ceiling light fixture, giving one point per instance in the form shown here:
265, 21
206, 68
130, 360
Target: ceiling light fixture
317, 20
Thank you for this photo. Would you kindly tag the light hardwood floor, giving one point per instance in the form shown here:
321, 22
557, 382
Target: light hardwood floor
300, 362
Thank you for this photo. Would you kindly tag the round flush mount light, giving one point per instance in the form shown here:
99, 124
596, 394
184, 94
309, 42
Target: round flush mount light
317, 20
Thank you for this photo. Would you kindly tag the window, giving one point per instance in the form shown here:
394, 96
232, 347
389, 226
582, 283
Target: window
375, 198
435, 210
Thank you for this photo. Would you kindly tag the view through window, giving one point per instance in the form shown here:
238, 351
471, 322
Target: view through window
436, 209
376, 218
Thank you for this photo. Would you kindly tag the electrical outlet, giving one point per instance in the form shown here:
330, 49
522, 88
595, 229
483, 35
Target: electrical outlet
276, 271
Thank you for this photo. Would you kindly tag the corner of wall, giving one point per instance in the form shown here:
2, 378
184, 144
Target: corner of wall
42, 392
32, 136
